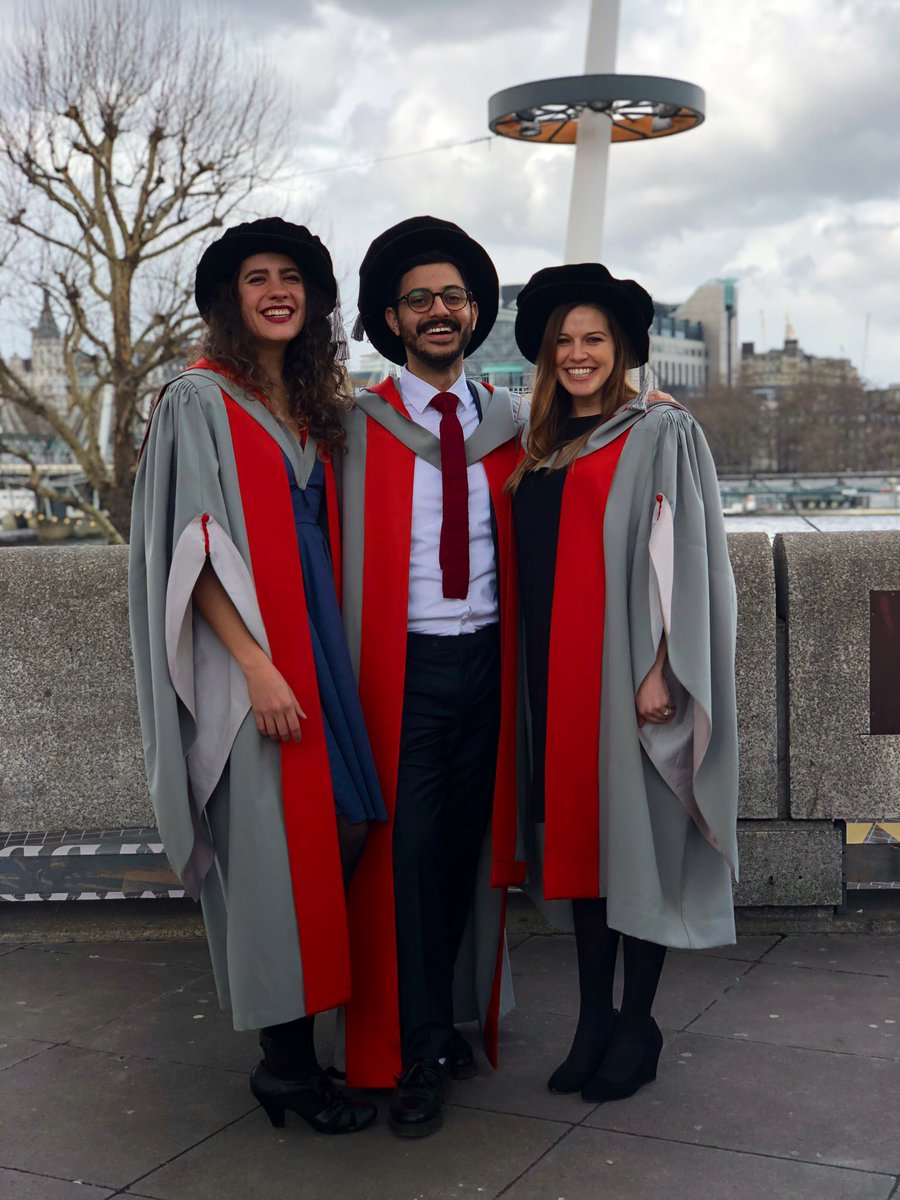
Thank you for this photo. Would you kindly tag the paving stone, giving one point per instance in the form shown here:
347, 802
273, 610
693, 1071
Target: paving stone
532, 1045
750, 947
163, 952
767, 1109
53, 997
77, 1114
798, 1006
546, 980
865, 953
18, 1185
589, 1163
475, 1155
185, 1026
776, 1100
513, 940
13, 1050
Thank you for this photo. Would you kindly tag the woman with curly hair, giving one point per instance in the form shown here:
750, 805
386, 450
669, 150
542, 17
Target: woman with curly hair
259, 765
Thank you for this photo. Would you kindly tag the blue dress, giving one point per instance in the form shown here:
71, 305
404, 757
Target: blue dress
357, 792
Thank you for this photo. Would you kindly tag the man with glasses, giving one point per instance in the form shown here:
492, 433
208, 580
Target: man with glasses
430, 611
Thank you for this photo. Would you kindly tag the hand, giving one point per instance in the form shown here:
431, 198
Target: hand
275, 706
658, 397
653, 701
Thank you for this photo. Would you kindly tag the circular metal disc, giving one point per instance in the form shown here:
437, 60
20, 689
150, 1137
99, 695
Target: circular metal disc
640, 107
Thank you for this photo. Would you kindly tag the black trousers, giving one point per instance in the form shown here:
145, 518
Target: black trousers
448, 757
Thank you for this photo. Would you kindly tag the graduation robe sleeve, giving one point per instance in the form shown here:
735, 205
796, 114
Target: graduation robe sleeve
693, 602
181, 517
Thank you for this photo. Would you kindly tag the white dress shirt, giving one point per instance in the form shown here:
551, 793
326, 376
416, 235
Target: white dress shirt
429, 611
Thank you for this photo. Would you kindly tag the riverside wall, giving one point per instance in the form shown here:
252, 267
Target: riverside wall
70, 746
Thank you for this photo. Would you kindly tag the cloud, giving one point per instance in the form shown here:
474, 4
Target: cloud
464, 22
790, 186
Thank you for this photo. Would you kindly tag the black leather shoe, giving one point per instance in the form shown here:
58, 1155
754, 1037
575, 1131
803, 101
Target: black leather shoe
571, 1076
315, 1099
462, 1058
628, 1064
416, 1102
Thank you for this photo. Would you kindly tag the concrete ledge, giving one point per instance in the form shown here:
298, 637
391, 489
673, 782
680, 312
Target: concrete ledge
70, 744
789, 863
70, 748
754, 576
838, 768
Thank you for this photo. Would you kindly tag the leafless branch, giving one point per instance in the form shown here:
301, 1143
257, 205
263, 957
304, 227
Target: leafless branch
125, 136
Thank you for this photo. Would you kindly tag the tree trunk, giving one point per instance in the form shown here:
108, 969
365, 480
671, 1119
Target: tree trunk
116, 500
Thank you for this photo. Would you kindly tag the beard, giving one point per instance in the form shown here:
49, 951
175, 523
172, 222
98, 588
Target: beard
438, 356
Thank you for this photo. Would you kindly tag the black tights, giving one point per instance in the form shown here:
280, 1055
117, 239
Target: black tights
352, 841
597, 947
290, 1048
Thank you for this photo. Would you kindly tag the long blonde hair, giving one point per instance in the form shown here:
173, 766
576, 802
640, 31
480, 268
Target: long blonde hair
551, 404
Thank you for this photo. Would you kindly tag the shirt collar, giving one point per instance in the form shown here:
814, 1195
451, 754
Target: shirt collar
418, 394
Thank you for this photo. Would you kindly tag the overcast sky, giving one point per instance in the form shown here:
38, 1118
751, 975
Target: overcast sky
790, 185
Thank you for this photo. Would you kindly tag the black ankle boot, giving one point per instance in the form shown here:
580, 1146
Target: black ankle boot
315, 1099
628, 1064
572, 1074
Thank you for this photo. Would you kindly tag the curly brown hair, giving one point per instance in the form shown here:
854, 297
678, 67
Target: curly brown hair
316, 383
551, 404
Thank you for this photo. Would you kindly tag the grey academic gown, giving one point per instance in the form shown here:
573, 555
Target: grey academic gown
668, 793
215, 782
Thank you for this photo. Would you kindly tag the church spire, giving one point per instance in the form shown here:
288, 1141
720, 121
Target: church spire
46, 327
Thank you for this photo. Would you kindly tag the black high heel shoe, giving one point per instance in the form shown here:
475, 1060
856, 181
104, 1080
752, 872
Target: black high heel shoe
315, 1099
626, 1068
568, 1077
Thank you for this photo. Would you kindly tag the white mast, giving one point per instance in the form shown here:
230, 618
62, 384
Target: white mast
584, 239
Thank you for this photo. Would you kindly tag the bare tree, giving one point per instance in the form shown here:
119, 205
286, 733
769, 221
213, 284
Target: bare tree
125, 135
810, 428
733, 420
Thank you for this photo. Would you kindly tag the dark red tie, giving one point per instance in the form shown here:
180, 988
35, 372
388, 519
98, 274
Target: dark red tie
454, 552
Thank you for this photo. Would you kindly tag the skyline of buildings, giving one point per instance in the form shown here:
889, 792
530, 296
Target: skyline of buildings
693, 347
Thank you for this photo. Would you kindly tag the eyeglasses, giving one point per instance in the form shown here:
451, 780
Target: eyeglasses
420, 300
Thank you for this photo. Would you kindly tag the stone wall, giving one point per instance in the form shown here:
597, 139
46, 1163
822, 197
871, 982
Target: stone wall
70, 741
70, 746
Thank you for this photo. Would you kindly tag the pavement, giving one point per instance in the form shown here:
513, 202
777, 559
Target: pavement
780, 1077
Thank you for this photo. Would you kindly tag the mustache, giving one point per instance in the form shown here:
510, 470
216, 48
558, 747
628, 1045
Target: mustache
434, 322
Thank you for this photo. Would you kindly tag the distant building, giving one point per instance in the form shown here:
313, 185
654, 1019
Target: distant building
698, 349
773, 371
44, 373
679, 356
498, 360
372, 368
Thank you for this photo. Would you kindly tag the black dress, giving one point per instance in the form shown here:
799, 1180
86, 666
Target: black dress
536, 506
